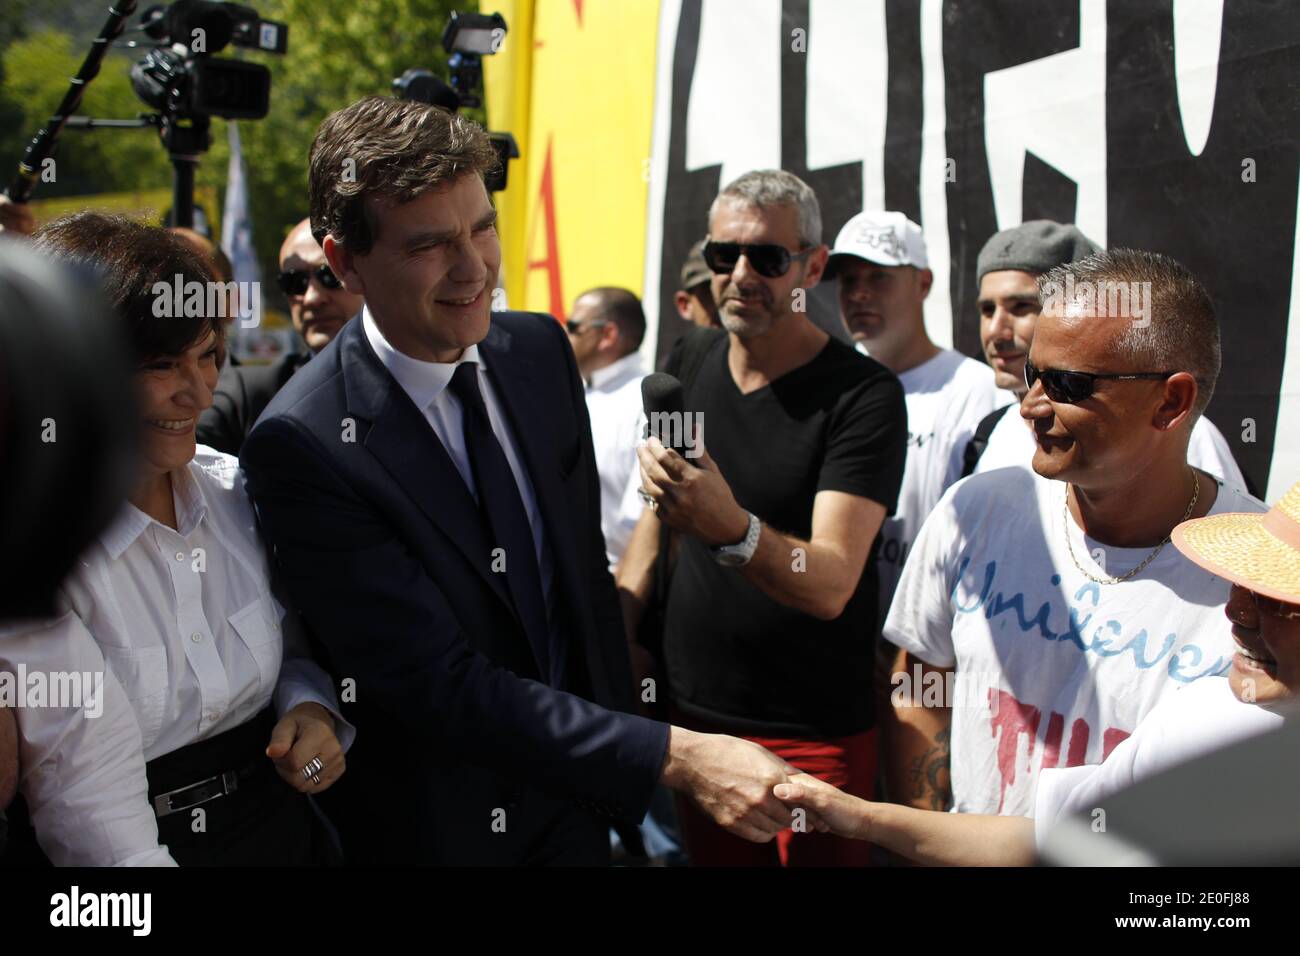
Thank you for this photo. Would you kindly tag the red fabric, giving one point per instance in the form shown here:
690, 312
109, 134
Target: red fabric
846, 762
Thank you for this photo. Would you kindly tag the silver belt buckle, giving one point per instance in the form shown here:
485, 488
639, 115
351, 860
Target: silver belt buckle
174, 801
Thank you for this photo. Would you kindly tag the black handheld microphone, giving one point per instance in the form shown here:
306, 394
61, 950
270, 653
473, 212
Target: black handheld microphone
665, 411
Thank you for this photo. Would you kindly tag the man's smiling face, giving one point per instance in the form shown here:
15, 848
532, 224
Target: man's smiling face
1106, 435
428, 277
1009, 308
1266, 666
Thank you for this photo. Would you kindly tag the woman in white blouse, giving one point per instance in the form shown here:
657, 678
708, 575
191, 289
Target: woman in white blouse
210, 723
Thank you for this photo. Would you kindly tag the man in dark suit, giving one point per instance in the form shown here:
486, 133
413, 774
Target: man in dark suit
429, 486
318, 305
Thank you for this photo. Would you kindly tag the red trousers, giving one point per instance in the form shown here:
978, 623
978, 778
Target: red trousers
846, 762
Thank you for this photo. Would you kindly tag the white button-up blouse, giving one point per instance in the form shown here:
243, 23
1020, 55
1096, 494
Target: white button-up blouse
191, 642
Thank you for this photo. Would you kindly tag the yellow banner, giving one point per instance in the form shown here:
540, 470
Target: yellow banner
574, 82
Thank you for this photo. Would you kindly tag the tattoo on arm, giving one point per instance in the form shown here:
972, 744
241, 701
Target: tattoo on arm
930, 774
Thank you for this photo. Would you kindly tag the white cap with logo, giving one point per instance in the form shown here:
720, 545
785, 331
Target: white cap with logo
885, 238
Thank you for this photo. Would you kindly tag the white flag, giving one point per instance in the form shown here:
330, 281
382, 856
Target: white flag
237, 236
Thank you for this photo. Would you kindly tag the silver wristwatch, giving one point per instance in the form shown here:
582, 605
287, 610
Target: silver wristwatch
738, 555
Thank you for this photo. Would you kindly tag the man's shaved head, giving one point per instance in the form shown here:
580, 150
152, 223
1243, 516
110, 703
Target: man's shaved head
297, 235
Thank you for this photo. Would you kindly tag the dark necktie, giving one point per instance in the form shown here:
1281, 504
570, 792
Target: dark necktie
503, 511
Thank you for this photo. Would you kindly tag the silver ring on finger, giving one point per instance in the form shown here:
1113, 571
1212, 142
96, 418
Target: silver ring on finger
314, 767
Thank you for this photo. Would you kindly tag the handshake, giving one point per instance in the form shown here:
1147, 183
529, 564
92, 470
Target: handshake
751, 792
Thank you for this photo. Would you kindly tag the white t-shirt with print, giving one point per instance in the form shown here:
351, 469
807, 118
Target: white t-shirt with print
1196, 720
947, 397
1011, 444
1052, 669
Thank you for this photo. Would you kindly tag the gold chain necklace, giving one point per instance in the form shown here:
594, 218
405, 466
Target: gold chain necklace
1196, 494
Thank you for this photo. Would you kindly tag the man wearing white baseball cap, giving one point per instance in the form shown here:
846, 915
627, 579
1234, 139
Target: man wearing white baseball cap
884, 277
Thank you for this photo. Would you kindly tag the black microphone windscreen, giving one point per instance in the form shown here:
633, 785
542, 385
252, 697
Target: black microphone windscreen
661, 392
665, 410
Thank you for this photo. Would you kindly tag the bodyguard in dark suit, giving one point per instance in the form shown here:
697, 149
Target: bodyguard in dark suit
429, 487
319, 307
241, 395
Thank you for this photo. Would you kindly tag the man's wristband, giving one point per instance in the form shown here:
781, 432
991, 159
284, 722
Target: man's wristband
738, 555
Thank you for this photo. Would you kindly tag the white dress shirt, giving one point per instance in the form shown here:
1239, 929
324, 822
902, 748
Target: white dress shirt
191, 643
614, 405
425, 383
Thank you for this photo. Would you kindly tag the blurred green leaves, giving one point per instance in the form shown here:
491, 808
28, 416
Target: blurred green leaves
339, 50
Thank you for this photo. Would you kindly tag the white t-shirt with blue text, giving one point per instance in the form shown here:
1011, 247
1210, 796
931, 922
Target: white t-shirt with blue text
1051, 668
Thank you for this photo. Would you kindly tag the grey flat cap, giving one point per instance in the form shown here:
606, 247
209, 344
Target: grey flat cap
1034, 246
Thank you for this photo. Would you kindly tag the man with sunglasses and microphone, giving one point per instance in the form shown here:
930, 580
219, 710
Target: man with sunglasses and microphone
319, 307
777, 500
1046, 605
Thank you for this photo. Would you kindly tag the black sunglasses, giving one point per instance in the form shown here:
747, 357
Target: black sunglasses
767, 258
1070, 388
295, 282
575, 327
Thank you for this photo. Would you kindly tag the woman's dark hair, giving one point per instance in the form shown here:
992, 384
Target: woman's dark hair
128, 259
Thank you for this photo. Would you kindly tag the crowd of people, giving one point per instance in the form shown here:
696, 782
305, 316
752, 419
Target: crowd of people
431, 590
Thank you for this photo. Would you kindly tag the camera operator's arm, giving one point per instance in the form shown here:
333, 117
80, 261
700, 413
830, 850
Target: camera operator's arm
635, 579
635, 573
16, 217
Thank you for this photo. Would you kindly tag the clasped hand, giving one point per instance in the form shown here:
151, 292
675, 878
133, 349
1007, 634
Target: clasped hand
306, 732
691, 496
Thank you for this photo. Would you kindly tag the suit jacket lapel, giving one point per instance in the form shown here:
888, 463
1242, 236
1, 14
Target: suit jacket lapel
402, 440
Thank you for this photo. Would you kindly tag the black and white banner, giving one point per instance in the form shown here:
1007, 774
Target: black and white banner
1171, 125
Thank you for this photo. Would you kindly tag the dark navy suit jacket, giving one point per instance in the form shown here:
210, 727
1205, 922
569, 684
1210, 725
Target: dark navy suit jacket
462, 753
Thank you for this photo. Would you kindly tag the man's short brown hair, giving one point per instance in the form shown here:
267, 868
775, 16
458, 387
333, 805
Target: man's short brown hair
391, 150
1181, 333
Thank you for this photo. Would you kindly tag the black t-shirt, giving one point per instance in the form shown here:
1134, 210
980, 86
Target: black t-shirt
736, 658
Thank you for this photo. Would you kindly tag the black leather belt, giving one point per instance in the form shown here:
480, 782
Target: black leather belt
196, 774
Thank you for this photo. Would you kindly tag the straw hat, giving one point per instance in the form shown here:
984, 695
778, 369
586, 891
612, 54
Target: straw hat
1259, 552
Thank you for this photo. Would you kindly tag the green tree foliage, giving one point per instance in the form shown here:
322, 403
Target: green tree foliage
338, 52
37, 70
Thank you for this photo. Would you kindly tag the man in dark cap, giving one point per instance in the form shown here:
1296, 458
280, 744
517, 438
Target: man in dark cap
694, 300
1007, 271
